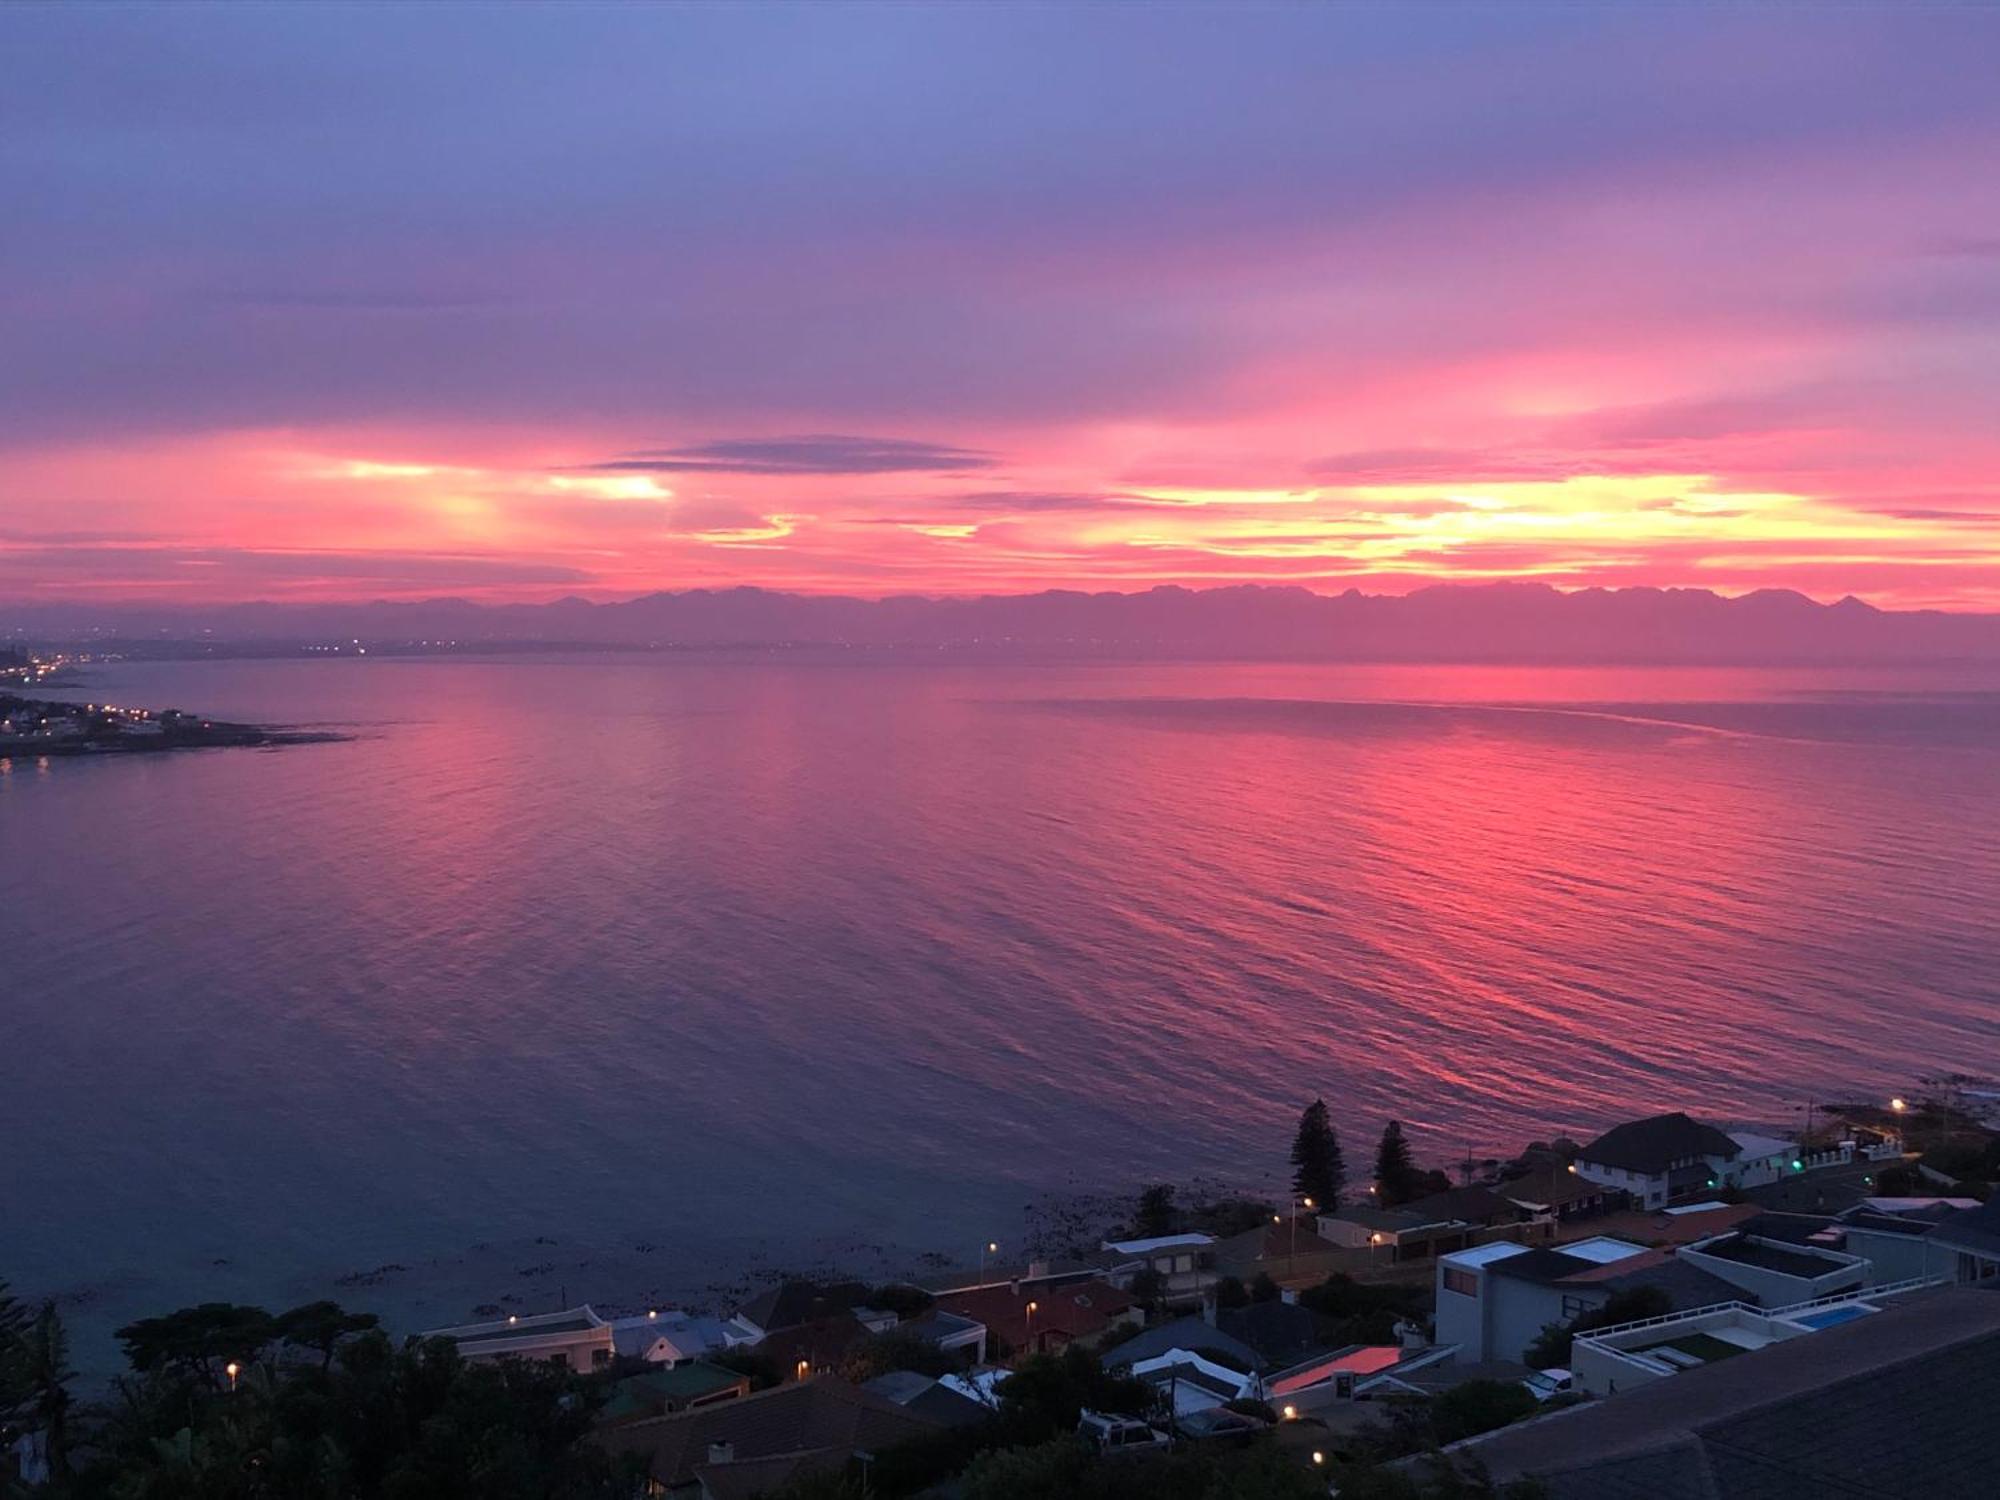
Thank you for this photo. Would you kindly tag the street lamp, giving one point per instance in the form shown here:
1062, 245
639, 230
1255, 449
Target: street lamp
1291, 1414
991, 1247
1373, 1241
805, 1368
232, 1370
1031, 1326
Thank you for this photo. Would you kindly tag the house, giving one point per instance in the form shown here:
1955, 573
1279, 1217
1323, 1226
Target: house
1899, 1403
744, 1447
673, 1337
1185, 1263
1560, 1194
658, 1393
1971, 1237
1775, 1272
818, 1347
1431, 1225
576, 1337
1189, 1382
950, 1333
1050, 1318
1494, 1300
1284, 1251
1607, 1361
1665, 1156
929, 1396
792, 1304
1675, 1224
1892, 1234
1285, 1347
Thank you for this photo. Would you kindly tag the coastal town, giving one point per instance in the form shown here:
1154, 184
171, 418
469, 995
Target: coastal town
37, 727
1663, 1309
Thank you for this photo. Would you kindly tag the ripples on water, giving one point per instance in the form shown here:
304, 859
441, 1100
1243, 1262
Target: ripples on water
698, 948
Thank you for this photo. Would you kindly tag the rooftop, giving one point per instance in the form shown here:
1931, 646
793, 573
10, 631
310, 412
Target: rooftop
1744, 1250
1160, 1242
1652, 1145
1852, 1410
788, 1420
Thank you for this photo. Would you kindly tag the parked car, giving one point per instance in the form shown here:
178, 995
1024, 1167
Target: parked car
1546, 1385
1111, 1434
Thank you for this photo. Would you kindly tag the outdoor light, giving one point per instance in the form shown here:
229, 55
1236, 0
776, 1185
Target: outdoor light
804, 1369
513, 1318
1318, 1457
1898, 1105
1797, 1165
232, 1370
1291, 1413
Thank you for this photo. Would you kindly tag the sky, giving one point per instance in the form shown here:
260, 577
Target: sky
511, 303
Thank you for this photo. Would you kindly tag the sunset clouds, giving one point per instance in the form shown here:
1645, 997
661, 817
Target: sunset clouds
351, 302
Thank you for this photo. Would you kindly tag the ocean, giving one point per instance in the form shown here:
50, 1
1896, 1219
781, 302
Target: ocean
711, 959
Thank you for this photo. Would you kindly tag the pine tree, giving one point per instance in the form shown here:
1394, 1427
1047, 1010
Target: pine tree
1319, 1171
1397, 1179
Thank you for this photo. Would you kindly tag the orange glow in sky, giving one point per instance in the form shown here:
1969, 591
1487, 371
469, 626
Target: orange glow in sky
968, 299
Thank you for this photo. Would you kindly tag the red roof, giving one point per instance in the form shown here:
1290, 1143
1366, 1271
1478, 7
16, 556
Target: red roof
1062, 1313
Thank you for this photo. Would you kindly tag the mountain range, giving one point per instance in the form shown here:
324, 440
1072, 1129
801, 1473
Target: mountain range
1447, 622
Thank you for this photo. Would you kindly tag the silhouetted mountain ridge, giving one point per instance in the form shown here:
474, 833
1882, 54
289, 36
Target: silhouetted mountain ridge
1440, 622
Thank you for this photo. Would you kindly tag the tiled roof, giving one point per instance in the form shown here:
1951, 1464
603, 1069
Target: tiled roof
1652, 1145
1282, 1333
792, 1303
822, 1344
1075, 1311
794, 1419
1192, 1334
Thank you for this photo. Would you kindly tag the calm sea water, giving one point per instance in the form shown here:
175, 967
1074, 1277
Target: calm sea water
700, 950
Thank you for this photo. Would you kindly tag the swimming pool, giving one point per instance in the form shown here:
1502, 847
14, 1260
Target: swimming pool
1827, 1317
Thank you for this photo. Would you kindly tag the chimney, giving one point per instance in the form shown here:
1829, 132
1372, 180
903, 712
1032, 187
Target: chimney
722, 1453
1038, 1270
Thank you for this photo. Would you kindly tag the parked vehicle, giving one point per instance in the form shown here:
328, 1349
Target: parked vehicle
1546, 1385
1113, 1434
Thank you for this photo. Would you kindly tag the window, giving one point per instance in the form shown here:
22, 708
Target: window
1465, 1283
599, 1358
1574, 1308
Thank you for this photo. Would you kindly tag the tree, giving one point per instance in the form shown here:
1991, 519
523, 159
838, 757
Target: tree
198, 1341
1156, 1212
1396, 1177
14, 1319
320, 1327
897, 1349
1230, 1292
1479, 1406
1264, 1289
1319, 1171
38, 1366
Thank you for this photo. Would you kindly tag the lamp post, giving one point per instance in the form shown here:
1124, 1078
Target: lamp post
991, 1247
1373, 1240
1031, 1326
1292, 1248
232, 1370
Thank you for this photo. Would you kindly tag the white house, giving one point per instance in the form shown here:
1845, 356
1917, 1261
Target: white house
575, 1337
1194, 1383
1665, 1156
1185, 1262
1494, 1300
674, 1337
